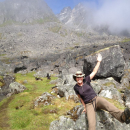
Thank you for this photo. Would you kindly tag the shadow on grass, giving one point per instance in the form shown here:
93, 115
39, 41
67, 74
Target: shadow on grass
4, 114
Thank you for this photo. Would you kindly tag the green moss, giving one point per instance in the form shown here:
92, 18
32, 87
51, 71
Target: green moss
5, 60
19, 34
125, 40
109, 84
38, 21
1, 81
6, 23
0, 35
2, 55
80, 34
76, 44
55, 29
102, 50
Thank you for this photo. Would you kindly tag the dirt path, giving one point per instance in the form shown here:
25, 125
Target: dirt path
4, 115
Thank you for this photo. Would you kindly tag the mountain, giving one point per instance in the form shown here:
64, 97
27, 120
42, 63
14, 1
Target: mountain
76, 18
65, 14
24, 11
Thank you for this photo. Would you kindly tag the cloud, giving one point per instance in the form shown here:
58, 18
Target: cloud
115, 14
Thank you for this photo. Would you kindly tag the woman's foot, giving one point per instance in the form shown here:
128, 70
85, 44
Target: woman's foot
126, 115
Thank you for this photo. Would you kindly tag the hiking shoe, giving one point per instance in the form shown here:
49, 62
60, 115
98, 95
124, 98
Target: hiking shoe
127, 115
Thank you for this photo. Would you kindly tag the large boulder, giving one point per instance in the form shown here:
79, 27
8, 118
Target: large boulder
6, 81
104, 121
112, 64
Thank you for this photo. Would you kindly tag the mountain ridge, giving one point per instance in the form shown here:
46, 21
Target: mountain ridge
25, 11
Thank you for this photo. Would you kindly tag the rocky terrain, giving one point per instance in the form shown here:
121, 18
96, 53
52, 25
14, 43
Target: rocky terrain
40, 42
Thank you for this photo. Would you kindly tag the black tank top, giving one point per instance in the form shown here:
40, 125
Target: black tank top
86, 91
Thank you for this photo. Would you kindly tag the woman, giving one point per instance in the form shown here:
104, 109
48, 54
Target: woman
91, 101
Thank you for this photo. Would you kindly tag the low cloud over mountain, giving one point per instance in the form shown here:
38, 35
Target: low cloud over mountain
111, 15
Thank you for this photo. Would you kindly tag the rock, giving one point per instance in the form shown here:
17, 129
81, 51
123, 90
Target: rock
104, 121
16, 88
67, 92
68, 79
107, 88
7, 80
43, 73
112, 93
125, 82
75, 112
127, 98
44, 99
96, 86
112, 64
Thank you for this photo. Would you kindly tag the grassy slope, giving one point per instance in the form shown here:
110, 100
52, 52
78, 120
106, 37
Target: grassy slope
19, 109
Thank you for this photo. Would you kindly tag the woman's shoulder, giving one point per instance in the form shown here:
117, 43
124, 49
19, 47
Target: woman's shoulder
87, 78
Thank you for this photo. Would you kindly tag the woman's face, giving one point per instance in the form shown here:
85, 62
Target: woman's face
79, 80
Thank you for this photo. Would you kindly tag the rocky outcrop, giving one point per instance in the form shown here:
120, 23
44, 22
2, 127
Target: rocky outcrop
6, 81
44, 99
75, 18
112, 64
65, 14
104, 121
16, 88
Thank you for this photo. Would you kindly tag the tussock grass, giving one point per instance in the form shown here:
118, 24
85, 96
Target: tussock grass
21, 112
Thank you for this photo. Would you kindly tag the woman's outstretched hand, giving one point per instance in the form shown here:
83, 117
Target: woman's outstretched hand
99, 57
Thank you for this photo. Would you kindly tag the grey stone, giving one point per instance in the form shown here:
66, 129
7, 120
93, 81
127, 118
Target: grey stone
127, 98
104, 121
16, 88
112, 64
44, 99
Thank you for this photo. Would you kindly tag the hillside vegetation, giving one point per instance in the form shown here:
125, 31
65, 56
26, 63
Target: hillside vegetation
18, 111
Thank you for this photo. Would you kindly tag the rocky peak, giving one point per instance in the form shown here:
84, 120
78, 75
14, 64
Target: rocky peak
64, 16
75, 18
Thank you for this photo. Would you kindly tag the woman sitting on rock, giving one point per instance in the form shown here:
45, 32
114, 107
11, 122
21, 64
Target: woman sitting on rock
92, 102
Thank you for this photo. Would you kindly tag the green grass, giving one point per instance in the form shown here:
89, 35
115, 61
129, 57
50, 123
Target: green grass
55, 29
21, 111
126, 40
2, 54
0, 35
37, 21
80, 34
